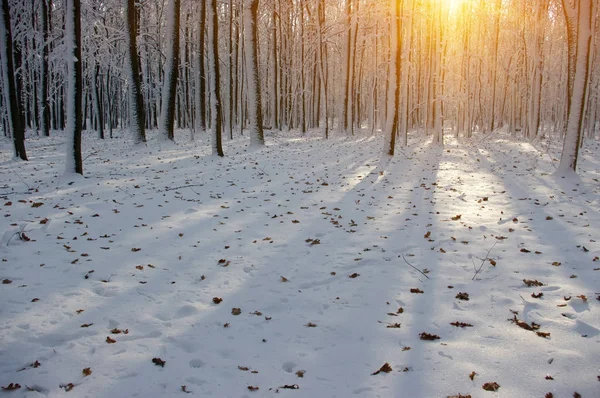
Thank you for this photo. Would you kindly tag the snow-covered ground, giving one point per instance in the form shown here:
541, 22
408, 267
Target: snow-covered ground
339, 260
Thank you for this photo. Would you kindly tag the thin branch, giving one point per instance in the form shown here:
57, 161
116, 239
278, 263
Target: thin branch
422, 273
483, 261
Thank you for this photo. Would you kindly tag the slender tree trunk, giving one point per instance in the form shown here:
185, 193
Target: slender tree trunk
200, 72
254, 94
136, 100
74, 99
167, 115
10, 93
215, 78
583, 17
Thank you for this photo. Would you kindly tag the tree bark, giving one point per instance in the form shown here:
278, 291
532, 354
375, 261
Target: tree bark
10, 92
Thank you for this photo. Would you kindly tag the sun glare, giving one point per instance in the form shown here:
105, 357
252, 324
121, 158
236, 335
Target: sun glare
454, 5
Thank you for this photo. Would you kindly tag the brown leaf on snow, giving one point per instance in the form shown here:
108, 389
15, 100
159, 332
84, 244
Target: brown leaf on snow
472, 375
224, 262
284, 279
543, 334
37, 204
429, 337
463, 296
11, 387
549, 395
86, 325
538, 295
86, 371
217, 300
119, 331
354, 275
135, 249
140, 267
253, 388
548, 377
393, 326
67, 387
386, 368
416, 290
460, 396
236, 311
491, 386
532, 282
456, 217
461, 324
493, 262
576, 395
583, 297
243, 368
159, 362
311, 325
406, 348
300, 373
523, 250
6, 281
110, 341
427, 235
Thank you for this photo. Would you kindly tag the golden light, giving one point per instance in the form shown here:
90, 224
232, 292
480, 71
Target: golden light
454, 5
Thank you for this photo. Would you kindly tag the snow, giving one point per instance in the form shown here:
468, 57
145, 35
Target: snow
232, 227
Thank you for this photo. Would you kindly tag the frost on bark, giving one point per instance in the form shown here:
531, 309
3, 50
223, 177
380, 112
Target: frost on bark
136, 100
10, 90
200, 72
215, 78
171, 71
74, 97
254, 95
581, 15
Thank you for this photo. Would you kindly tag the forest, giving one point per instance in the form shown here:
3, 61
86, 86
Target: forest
299, 198
233, 65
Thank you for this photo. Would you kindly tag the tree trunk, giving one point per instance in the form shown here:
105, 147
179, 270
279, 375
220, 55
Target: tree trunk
167, 115
254, 94
583, 16
136, 100
10, 92
75, 85
215, 78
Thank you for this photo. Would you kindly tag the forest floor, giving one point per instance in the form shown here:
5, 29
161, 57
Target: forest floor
300, 270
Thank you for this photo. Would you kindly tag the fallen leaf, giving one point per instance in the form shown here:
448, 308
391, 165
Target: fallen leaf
236, 311
429, 337
291, 387
538, 295
6, 281
549, 395
461, 324
548, 377
491, 386
86, 371
243, 368
311, 325
86, 325
67, 387
543, 334
523, 250
583, 297
300, 373
427, 235
416, 290
11, 387
119, 331
110, 341
284, 279
534, 282
456, 217
393, 326
217, 300
37, 204
135, 249
472, 375
463, 296
354, 275
386, 368
159, 362
253, 388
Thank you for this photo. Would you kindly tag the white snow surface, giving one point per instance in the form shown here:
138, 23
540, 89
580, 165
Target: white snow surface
153, 233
